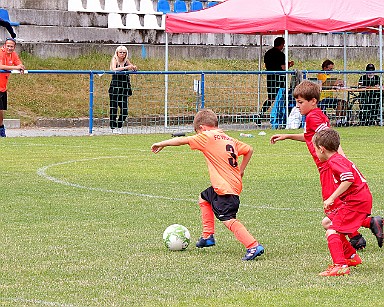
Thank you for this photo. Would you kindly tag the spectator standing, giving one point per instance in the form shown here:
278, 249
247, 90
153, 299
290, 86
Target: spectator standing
274, 60
9, 60
119, 89
369, 99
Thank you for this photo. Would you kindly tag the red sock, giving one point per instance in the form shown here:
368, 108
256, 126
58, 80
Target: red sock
347, 247
367, 222
335, 247
242, 234
208, 218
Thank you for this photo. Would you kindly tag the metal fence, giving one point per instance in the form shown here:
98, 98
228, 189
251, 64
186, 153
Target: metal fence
167, 101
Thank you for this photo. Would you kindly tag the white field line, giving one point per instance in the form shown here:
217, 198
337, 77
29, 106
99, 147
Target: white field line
43, 173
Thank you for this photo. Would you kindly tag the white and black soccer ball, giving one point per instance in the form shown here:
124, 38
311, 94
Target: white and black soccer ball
176, 237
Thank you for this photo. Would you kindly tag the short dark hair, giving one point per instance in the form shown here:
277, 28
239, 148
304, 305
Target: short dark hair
328, 138
278, 41
326, 63
307, 90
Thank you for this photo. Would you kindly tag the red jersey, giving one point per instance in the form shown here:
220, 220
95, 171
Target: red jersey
315, 121
221, 153
338, 169
11, 59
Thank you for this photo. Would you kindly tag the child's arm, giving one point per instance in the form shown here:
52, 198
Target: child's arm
245, 161
171, 142
282, 137
340, 190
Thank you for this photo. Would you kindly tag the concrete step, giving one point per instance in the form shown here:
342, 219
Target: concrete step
12, 123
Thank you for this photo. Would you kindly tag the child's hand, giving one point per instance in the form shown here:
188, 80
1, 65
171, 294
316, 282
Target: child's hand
156, 148
276, 137
327, 203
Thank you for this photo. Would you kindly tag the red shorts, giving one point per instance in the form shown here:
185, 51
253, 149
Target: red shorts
346, 221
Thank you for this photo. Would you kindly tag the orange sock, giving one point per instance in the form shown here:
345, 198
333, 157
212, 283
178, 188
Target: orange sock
241, 233
208, 218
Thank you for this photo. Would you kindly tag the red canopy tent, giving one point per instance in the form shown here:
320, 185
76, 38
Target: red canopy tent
281, 17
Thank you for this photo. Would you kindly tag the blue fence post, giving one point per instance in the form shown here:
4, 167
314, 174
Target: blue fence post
202, 90
90, 102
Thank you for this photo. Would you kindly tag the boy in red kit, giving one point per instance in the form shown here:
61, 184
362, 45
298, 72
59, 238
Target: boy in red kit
307, 96
352, 190
222, 198
9, 60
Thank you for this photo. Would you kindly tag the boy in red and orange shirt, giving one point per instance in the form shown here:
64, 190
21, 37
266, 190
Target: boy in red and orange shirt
222, 198
9, 60
353, 192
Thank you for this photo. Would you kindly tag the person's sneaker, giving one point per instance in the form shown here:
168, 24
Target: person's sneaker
253, 252
355, 260
2, 133
358, 242
376, 227
336, 270
210, 241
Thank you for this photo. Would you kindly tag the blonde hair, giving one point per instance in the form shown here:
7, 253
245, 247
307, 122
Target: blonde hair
116, 58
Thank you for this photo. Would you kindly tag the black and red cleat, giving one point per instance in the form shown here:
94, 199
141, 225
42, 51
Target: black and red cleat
376, 227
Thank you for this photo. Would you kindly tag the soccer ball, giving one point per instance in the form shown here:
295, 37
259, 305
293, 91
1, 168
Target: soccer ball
176, 237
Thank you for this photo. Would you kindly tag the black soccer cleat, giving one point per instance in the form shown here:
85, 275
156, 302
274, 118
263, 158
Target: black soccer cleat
358, 242
376, 227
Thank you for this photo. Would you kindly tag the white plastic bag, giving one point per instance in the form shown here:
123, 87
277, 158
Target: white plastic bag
294, 119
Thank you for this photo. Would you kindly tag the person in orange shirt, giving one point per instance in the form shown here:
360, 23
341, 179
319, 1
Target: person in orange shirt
9, 60
222, 198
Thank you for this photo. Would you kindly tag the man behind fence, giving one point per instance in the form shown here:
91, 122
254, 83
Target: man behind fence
9, 60
274, 60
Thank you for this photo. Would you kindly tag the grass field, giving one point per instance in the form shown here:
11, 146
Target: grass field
82, 221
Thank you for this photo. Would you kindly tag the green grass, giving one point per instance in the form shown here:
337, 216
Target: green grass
82, 221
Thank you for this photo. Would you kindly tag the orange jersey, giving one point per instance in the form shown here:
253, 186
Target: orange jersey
9, 60
221, 153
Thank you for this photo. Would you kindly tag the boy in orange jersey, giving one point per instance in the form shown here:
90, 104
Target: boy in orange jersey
222, 198
354, 193
9, 60
307, 95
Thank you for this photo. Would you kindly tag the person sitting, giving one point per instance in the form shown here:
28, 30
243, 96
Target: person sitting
327, 97
369, 99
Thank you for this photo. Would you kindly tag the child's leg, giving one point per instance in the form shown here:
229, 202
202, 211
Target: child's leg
347, 247
335, 247
207, 217
241, 233
375, 224
357, 240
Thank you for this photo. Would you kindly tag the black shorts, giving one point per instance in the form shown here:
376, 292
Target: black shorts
224, 207
3, 100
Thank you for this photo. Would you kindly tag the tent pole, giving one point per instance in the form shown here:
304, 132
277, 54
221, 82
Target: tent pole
166, 83
259, 76
381, 74
286, 74
345, 56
